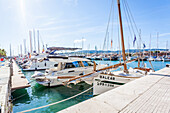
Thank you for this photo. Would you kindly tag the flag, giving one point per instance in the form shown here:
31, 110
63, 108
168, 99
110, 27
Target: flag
29, 55
144, 45
134, 41
111, 43
43, 49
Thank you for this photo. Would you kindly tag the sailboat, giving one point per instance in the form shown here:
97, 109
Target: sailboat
158, 58
107, 80
150, 56
103, 78
166, 58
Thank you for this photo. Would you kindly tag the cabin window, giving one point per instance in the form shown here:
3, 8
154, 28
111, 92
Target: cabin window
55, 65
80, 64
69, 65
85, 63
76, 64
45, 64
46, 59
90, 63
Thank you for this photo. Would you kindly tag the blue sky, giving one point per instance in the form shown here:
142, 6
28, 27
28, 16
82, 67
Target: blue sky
65, 22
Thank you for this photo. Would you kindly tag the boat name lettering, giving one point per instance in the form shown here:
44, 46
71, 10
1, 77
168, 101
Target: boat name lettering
107, 77
105, 84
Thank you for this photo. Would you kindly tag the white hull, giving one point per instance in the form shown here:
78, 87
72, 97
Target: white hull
104, 83
59, 77
35, 69
151, 59
40, 66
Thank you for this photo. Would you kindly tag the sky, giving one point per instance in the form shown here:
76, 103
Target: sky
66, 23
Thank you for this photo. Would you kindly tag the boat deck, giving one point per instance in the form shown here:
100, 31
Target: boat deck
149, 94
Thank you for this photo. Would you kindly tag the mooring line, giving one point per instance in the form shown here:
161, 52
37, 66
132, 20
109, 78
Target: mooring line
57, 102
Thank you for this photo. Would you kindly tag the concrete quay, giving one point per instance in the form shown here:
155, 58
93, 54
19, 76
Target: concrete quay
10, 80
5, 88
149, 94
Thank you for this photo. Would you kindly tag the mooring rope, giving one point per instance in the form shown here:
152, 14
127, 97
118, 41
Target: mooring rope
56, 102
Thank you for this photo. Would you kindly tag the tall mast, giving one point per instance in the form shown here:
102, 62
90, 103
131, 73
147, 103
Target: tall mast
128, 47
30, 34
82, 43
10, 50
150, 45
21, 49
166, 48
38, 41
122, 37
25, 46
157, 43
34, 40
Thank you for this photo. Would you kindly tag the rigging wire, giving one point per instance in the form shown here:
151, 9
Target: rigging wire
112, 29
132, 22
130, 12
108, 25
119, 42
127, 19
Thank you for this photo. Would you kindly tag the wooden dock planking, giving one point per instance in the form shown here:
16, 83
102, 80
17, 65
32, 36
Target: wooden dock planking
150, 94
18, 79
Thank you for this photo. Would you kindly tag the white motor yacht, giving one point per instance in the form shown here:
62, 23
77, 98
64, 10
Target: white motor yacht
67, 69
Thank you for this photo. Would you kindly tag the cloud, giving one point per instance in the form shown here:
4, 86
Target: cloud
79, 41
164, 34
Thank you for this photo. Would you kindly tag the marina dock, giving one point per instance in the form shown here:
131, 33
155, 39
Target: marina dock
5, 86
10, 80
18, 79
149, 94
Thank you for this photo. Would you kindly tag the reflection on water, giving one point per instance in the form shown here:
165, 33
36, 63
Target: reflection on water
38, 95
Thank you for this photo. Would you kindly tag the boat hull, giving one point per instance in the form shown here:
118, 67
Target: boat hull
104, 83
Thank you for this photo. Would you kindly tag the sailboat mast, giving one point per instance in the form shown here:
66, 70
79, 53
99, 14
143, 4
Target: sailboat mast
38, 41
34, 40
157, 43
128, 47
166, 48
122, 37
150, 45
25, 46
30, 34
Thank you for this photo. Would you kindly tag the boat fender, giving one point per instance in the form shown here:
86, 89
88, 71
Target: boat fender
23, 77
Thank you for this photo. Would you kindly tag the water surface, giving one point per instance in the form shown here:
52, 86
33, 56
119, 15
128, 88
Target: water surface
38, 95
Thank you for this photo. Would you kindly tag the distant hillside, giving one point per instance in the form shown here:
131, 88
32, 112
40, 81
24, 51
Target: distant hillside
2, 53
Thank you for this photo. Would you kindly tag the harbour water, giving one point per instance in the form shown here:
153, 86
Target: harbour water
37, 95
